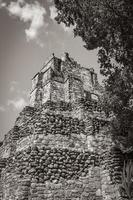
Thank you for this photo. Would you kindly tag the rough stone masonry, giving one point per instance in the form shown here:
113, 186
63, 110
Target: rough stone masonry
59, 148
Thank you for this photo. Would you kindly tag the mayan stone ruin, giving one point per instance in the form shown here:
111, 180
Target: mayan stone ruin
59, 148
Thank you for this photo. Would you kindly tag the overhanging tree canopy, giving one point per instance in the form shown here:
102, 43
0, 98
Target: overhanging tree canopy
108, 26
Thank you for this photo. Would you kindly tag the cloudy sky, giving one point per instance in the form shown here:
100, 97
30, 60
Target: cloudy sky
28, 36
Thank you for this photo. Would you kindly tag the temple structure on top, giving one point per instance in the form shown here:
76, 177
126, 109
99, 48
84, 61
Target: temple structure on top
63, 80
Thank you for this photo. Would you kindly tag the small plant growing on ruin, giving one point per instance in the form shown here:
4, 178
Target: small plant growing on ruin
127, 180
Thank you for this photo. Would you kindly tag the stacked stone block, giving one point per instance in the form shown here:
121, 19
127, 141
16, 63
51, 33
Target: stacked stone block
59, 148
52, 154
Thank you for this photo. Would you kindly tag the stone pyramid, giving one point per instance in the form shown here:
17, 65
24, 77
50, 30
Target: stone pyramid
57, 149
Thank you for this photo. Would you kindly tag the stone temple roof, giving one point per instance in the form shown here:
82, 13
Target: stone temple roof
63, 77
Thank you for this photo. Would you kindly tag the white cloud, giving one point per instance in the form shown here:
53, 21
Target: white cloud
2, 4
13, 85
32, 13
53, 12
2, 109
14, 89
17, 104
40, 43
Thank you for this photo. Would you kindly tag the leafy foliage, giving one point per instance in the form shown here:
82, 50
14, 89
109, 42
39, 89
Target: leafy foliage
127, 180
108, 26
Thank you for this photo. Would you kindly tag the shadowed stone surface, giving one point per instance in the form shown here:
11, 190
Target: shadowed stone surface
59, 147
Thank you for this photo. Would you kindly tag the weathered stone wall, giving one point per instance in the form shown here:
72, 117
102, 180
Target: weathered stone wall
51, 173
51, 160
61, 148
67, 90
57, 91
46, 77
76, 89
62, 80
56, 154
36, 92
46, 92
111, 164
